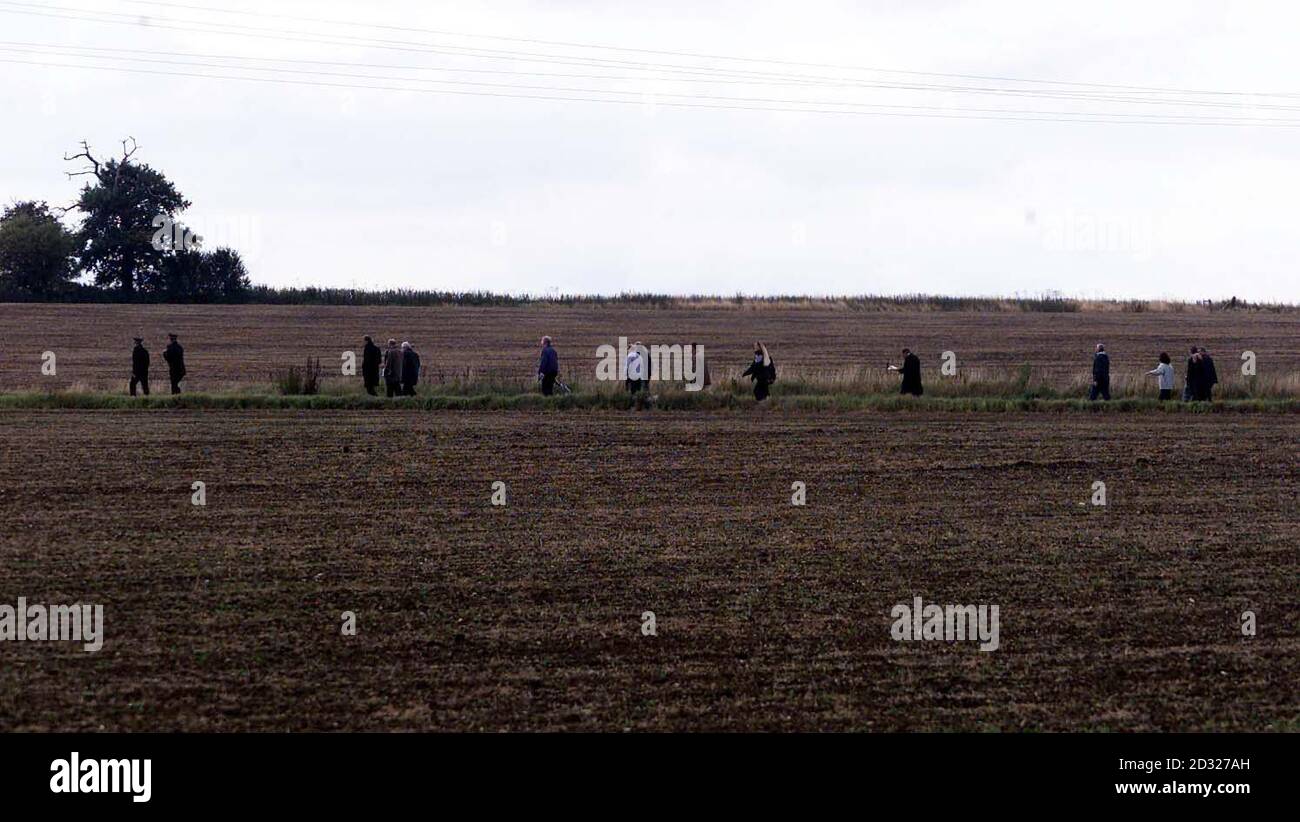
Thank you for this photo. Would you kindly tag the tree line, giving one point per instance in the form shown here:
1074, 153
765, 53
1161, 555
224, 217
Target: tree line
129, 245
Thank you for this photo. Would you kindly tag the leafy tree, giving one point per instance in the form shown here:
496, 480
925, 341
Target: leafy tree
36, 250
225, 275
120, 205
202, 276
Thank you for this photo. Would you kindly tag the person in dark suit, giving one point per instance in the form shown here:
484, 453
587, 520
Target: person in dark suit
174, 354
1192, 380
911, 372
410, 369
371, 357
1209, 376
140, 367
1100, 374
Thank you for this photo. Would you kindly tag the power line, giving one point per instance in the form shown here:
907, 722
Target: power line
697, 55
666, 104
657, 95
30, 46
729, 76
796, 79
403, 45
392, 45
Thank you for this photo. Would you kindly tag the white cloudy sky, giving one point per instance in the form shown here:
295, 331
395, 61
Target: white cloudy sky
321, 184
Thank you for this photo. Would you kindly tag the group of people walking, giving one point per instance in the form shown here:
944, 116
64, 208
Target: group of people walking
399, 366
1198, 383
173, 355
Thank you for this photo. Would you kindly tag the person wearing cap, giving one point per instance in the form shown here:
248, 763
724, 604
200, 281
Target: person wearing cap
393, 368
371, 357
140, 367
548, 367
175, 357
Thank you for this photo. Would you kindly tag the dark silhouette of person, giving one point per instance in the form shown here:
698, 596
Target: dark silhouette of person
548, 367
911, 372
1192, 380
1100, 374
140, 367
703, 361
371, 357
762, 371
174, 354
410, 369
1209, 376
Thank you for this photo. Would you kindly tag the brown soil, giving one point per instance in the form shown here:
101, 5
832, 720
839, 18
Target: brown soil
528, 616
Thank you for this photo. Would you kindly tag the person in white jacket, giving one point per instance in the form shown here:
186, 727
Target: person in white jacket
1165, 373
636, 368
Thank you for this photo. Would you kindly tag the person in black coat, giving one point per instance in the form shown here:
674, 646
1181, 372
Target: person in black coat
762, 371
140, 367
1209, 377
410, 369
1100, 374
911, 372
175, 357
1192, 379
371, 356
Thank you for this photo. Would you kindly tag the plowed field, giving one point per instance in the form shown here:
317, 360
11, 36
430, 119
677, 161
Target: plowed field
768, 615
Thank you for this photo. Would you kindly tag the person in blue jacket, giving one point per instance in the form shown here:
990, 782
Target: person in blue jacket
548, 367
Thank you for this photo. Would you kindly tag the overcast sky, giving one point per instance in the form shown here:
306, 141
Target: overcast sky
389, 188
